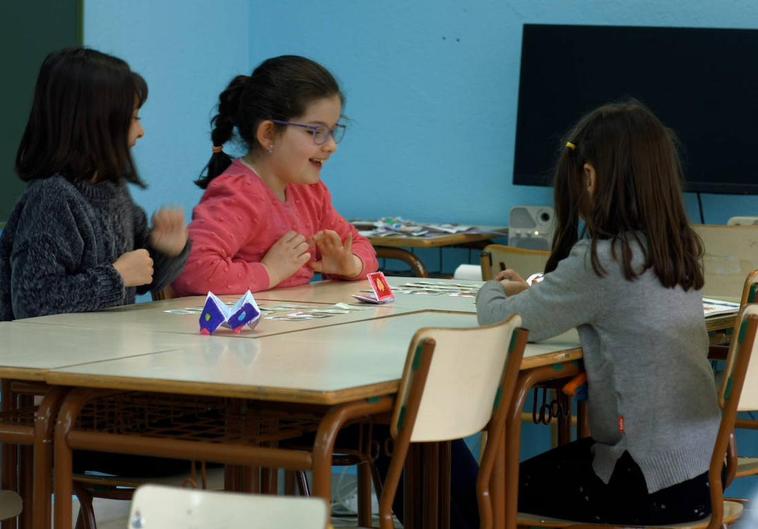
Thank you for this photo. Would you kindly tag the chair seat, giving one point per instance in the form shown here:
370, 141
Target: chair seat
747, 466
732, 512
10, 504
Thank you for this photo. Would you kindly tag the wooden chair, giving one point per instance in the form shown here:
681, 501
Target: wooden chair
455, 383
742, 221
738, 392
498, 257
165, 293
747, 466
399, 254
158, 507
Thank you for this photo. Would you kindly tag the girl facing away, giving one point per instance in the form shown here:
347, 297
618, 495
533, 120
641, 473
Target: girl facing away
267, 219
629, 279
75, 240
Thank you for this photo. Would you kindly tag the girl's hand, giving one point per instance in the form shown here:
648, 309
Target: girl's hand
135, 268
512, 282
169, 233
285, 257
336, 258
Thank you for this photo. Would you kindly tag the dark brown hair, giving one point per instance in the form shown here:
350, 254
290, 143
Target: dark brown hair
637, 192
79, 124
280, 88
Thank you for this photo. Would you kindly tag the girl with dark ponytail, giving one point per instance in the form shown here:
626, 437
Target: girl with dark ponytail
266, 219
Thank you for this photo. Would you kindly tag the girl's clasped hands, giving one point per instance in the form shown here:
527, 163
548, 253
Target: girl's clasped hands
293, 250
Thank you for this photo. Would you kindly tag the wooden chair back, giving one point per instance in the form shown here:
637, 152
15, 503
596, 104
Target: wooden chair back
497, 257
159, 507
165, 293
455, 383
750, 289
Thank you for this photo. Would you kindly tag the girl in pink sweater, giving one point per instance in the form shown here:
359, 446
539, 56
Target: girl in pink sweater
267, 219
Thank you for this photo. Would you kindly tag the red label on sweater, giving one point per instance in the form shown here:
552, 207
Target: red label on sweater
621, 423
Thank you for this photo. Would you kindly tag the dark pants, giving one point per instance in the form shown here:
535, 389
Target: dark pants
561, 484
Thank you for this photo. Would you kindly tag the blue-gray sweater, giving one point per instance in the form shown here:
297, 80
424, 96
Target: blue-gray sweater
59, 245
645, 353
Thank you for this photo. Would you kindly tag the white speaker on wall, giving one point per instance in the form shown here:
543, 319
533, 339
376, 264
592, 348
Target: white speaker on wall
531, 227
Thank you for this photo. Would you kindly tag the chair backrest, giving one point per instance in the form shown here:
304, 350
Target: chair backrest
750, 289
730, 255
742, 221
453, 378
497, 257
166, 292
738, 392
159, 507
741, 348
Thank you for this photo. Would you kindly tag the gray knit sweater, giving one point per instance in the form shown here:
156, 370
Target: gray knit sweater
645, 353
57, 249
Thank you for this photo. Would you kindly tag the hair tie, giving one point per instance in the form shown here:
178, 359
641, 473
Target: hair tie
570, 146
218, 149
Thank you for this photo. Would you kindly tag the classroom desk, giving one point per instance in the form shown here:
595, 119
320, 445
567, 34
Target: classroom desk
395, 246
336, 367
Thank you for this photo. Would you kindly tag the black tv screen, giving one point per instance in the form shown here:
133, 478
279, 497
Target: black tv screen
703, 83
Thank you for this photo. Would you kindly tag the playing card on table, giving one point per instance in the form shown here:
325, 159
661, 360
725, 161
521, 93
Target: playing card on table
381, 292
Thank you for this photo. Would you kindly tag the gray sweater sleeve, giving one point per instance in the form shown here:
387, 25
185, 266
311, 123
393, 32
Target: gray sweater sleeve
46, 277
567, 297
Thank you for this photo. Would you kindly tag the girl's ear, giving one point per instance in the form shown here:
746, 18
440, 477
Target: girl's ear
265, 134
590, 178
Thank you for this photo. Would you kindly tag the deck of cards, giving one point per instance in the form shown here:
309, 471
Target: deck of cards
216, 313
381, 292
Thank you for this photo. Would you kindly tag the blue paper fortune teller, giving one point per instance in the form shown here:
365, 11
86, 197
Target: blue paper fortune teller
217, 313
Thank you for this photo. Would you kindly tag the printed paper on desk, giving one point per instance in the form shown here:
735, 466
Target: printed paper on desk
381, 292
216, 313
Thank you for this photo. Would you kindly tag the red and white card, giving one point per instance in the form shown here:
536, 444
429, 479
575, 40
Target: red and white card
381, 291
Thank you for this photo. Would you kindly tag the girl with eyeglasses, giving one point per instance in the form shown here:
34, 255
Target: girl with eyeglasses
266, 219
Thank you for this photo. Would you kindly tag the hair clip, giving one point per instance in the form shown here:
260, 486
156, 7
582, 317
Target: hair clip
217, 149
570, 146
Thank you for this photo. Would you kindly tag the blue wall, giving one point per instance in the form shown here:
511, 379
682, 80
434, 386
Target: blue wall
186, 50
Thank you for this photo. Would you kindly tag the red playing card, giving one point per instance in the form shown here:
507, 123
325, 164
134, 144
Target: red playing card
381, 287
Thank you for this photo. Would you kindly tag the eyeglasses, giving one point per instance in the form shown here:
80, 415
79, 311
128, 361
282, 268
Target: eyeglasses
320, 133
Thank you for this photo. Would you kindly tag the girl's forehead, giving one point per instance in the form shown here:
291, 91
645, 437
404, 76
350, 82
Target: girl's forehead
326, 110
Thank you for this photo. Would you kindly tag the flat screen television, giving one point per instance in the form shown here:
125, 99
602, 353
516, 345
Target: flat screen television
701, 82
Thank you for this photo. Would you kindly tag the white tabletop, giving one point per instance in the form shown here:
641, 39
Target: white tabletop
155, 347
323, 365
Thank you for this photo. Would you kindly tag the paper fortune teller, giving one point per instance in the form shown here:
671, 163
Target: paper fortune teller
217, 313
381, 292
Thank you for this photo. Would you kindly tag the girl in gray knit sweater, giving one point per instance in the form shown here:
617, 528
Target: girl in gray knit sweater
631, 286
75, 240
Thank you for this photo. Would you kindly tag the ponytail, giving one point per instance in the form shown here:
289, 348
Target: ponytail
223, 128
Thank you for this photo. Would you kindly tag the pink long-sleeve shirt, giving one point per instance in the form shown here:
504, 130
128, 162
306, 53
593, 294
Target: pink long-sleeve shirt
239, 218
